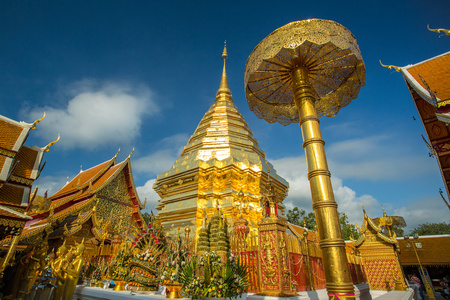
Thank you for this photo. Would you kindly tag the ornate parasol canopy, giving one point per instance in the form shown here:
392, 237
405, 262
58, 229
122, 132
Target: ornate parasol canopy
394, 221
331, 55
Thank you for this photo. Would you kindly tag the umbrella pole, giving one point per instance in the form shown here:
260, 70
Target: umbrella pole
339, 284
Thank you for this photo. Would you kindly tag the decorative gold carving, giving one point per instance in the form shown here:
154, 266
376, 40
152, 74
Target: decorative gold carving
7, 153
439, 30
21, 180
326, 48
47, 148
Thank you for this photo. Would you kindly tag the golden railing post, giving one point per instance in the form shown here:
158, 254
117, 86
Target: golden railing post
308, 261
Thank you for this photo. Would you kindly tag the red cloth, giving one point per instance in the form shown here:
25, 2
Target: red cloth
416, 281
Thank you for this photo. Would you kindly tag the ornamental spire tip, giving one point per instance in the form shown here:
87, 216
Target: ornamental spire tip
224, 89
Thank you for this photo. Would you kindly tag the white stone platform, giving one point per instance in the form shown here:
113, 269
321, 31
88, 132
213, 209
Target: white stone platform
361, 291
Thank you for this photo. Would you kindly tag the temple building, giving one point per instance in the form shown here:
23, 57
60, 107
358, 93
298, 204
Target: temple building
221, 164
428, 82
99, 205
20, 166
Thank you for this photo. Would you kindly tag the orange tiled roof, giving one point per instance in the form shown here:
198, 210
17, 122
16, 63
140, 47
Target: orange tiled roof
63, 200
105, 178
436, 73
83, 178
27, 159
10, 134
298, 230
11, 194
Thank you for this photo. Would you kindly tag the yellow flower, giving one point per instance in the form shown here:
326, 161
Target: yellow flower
220, 286
214, 288
209, 290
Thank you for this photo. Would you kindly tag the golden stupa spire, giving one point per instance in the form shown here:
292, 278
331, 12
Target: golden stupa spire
224, 92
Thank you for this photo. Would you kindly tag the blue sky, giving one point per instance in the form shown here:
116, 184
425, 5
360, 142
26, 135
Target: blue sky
124, 74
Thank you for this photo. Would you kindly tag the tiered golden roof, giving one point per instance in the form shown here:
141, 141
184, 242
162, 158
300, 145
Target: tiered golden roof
221, 158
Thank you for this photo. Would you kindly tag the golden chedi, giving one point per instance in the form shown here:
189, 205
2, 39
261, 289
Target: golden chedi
221, 158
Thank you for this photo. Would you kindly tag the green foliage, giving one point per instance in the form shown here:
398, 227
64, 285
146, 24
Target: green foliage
219, 279
147, 217
398, 231
299, 217
431, 229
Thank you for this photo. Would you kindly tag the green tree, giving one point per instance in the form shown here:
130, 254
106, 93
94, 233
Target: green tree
295, 216
431, 229
147, 217
299, 217
398, 231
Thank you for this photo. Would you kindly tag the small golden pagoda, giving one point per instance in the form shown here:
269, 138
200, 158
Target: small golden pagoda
221, 159
379, 252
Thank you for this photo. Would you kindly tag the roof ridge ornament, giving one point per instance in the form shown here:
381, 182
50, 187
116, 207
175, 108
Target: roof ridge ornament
398, 69
33, 125
115, 156
439, 30
47, 148
129, 155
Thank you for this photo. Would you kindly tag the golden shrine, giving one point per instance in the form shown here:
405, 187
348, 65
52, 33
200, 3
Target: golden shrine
223, 165
99, 205
379, 248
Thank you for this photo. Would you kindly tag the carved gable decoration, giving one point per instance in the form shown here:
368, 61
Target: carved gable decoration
117, 190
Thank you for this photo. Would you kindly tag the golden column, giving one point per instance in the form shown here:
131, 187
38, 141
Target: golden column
298, 73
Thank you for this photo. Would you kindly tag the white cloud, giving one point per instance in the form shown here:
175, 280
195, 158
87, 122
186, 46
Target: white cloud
97, 114
161, 160
431, 210
376, 158
52, 184
147, 191
293, 169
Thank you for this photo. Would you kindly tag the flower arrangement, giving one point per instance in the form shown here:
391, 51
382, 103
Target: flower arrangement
173, 261
207, 276
118, 269
294, 285
145, 256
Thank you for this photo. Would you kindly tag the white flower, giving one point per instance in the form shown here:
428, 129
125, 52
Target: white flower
162, 277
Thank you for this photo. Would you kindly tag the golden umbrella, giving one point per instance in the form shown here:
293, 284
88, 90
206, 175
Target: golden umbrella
298, 73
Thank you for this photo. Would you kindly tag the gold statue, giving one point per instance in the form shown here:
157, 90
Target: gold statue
57, 265
73, 271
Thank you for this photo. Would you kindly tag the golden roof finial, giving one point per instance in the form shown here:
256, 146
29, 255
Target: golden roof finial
46, 148
224, 89
115, 156
439, 30
129, 155
398, 69
33, 126
384, 213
